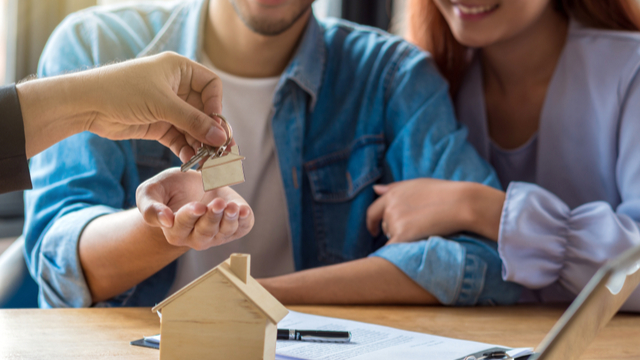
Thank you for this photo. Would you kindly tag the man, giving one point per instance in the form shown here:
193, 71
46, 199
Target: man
321, 110
135, 99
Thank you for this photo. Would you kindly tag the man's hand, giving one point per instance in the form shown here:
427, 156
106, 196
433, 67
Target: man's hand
416, 209
165, 97
190, 217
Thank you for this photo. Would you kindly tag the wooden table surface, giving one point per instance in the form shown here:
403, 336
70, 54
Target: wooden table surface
105, 333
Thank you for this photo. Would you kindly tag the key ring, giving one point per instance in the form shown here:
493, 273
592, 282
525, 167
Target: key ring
228, 131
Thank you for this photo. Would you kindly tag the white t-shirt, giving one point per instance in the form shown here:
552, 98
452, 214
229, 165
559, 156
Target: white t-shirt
247, 105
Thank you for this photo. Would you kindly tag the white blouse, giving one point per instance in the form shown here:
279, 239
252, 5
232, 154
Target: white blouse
584, 205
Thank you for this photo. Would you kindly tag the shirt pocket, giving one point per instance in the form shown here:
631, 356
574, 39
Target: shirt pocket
341, 175
341, 191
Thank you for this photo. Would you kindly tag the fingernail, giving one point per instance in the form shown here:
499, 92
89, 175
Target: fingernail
216, 135
245, 216
217, 212
231, 216
198, 211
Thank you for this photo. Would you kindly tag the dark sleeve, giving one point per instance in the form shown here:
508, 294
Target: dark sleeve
14, 167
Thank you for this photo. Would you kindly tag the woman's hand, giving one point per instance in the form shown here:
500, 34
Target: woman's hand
165, 97
416, 209
188, 216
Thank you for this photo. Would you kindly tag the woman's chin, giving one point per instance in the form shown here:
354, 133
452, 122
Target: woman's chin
473, 40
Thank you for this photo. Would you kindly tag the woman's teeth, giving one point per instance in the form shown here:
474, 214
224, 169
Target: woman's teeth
474, 10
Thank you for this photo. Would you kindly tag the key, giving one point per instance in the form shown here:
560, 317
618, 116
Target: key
215, 153
204, 152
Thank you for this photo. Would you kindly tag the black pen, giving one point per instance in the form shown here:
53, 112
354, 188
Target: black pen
314, 335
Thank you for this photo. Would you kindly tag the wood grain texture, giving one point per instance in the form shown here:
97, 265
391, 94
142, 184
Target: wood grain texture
219, 317
105, 333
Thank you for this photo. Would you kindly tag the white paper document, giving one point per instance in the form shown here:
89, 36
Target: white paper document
371, 342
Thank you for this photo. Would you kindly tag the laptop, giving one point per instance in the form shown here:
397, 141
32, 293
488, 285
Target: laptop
594, 307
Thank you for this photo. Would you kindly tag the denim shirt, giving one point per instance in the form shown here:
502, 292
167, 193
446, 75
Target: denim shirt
354, 107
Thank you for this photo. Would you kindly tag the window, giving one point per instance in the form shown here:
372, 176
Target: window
4, 27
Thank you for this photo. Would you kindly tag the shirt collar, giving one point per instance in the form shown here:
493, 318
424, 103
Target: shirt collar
184, 33
307, 65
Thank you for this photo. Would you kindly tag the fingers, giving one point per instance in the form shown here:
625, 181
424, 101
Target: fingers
209, 225
196, 123
177, 142
209, 85
151, 200
197, 88
375, 214
185, 220
157, 215
229, 223
245, 223
201, 227
381, 189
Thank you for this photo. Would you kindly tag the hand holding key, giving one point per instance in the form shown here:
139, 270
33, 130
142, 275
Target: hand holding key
220, 166
188, 216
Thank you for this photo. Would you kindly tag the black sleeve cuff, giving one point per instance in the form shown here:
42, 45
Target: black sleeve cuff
14, 167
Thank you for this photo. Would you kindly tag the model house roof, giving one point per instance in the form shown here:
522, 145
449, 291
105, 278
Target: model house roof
237, 270
232, 155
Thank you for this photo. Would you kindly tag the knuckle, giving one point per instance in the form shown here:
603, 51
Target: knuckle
148, 214
206, 232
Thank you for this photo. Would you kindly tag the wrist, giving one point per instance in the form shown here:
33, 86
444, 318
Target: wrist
156, 235
52, 110
484, 205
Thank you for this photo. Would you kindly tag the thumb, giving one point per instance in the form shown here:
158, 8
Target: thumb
196, 123
381, 189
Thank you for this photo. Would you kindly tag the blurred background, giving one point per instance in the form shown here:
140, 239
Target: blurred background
25, 26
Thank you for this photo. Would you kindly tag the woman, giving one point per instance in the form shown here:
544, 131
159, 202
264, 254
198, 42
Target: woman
551, 97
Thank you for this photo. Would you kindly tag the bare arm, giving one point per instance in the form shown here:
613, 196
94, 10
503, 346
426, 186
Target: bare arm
118, 251
365, 281
164, 97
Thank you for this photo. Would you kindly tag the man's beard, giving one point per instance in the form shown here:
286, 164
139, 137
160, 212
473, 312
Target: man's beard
270, 27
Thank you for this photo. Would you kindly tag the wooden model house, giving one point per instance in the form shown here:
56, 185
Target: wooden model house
224, 314
223, 171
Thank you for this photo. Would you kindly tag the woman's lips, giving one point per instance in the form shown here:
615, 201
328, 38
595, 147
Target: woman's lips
473, 12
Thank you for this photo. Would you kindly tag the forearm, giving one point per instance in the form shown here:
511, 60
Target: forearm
118, 251
370, 280
485, 207
53, 109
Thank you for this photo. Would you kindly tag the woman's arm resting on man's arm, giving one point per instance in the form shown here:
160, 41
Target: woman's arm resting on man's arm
118, 251
371, 280
416, 209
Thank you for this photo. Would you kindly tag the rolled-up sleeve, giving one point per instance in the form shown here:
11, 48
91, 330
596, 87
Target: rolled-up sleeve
542, 240
430, 143
58, 268
75, 181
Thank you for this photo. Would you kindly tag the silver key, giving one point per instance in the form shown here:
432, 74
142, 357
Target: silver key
209, 151
204, 152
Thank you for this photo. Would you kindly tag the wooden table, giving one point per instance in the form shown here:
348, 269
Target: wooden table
105, 333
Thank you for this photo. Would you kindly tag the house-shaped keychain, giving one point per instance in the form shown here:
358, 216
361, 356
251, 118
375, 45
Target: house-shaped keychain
225, 170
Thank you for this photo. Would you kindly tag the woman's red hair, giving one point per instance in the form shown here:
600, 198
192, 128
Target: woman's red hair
429, 30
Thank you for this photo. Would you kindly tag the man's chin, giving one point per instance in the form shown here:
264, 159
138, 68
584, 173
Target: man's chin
268, 27
272, 24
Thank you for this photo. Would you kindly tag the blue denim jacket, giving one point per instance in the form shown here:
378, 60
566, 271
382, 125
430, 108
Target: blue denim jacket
354, 107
